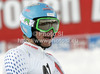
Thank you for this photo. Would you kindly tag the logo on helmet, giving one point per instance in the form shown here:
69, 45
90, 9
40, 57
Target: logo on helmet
50, 14
27, 10
27, 21
47, 8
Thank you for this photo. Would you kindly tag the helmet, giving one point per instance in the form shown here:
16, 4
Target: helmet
32, 12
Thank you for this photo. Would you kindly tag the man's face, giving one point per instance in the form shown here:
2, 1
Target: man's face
45, 38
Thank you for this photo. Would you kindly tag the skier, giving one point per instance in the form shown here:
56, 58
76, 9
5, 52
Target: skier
39, 24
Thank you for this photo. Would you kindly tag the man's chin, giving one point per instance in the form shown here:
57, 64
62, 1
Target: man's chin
46, 46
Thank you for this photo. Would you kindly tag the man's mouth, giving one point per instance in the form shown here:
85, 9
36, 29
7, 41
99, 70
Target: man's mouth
47, 37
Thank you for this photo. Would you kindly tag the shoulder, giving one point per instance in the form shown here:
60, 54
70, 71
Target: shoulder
17, 52
15, 60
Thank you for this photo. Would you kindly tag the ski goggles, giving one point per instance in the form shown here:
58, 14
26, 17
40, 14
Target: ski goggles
47, 24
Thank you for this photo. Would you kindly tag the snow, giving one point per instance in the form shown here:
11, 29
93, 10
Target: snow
79, 61
1, 63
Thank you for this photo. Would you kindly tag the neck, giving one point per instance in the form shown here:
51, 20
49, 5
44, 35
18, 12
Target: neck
32, 42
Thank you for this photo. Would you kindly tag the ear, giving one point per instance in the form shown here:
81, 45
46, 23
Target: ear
24, 36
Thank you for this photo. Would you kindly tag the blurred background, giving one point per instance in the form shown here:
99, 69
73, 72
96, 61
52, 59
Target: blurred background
77, 43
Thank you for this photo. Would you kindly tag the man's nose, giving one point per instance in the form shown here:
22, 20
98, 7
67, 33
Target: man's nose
51, 31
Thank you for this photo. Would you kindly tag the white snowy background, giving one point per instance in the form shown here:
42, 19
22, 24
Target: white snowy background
79, 61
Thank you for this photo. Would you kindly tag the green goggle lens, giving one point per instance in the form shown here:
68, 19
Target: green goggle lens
46, 24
